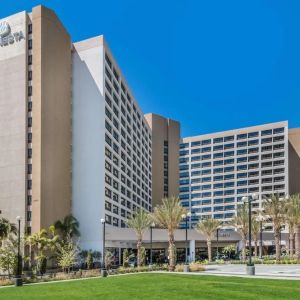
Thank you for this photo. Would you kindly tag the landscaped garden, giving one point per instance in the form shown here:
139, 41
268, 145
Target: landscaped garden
158, 286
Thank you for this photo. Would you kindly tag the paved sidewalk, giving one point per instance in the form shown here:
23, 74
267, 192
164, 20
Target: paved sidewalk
267, 271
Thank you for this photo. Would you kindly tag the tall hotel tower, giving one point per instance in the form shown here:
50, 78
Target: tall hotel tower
35, 119
111, 143
217, 170
72, 136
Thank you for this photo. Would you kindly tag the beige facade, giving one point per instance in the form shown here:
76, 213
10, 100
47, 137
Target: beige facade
165, 157
13, 73
294, 160
51, 129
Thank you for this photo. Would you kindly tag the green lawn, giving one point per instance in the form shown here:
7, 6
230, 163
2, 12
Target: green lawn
159, 286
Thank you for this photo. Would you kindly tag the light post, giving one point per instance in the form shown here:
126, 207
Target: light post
103, 270
151, 228
19, 281
186, 216
250, 265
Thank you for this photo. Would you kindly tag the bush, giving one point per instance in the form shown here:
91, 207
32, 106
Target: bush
124, 270
179, 268
196, 267
6, 282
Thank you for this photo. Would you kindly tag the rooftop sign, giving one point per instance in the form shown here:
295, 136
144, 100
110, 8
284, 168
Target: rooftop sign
6, 37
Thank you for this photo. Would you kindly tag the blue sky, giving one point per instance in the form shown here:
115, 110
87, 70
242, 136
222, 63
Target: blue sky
212, 65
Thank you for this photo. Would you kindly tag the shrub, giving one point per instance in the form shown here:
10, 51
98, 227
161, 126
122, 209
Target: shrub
195, 267
179, 268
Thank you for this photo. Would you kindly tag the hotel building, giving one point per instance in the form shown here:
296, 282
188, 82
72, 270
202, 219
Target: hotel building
112, 169
35, 119
72, 136
165, 157
74, 140
217, 170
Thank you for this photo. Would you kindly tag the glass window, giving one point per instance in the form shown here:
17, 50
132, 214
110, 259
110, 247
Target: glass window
278, 130
252, 134
196, 143
241, 136
266, 132
218, 140
228, 138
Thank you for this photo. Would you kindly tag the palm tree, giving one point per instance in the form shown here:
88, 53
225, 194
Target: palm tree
208, 227
6, 228
291, 221
274, 208
40, 242
241, 223
139, 222
68, 228
168, 215
255, 229
292, 216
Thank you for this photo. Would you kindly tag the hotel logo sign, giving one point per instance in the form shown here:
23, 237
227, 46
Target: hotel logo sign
7, 37
4, 29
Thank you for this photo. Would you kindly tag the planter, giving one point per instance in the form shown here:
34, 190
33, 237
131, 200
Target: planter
18, 281
250, 270
186, 268
103, 273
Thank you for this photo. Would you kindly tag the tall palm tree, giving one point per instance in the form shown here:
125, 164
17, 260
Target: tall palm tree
40, 242
241, 223
168, 215
68, 228
293, 221
139, 222
208, 227
274, 208
6, 228
255, 229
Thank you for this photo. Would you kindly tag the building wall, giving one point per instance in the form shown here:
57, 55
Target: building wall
111, 144
51, 129
165, 143
88, 141
217, 170
294, 160
13, 88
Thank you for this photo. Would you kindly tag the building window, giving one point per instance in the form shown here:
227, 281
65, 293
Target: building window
29, 215
30, 90
29, 28
29, 44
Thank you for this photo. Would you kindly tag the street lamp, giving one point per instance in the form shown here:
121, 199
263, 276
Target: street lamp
249, 199
103, 270
19, 281
151, 228
186, 216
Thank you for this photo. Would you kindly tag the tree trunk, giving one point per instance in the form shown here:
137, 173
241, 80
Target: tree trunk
291, 244
297, 241
172, 254
255, 247
209, 249
139, 246
277, 243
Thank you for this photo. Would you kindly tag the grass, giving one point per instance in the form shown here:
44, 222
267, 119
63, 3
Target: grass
159, 286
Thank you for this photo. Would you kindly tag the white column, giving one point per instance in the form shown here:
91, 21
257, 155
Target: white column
192, 250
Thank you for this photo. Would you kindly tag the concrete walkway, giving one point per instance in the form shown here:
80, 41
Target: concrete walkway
265, 271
